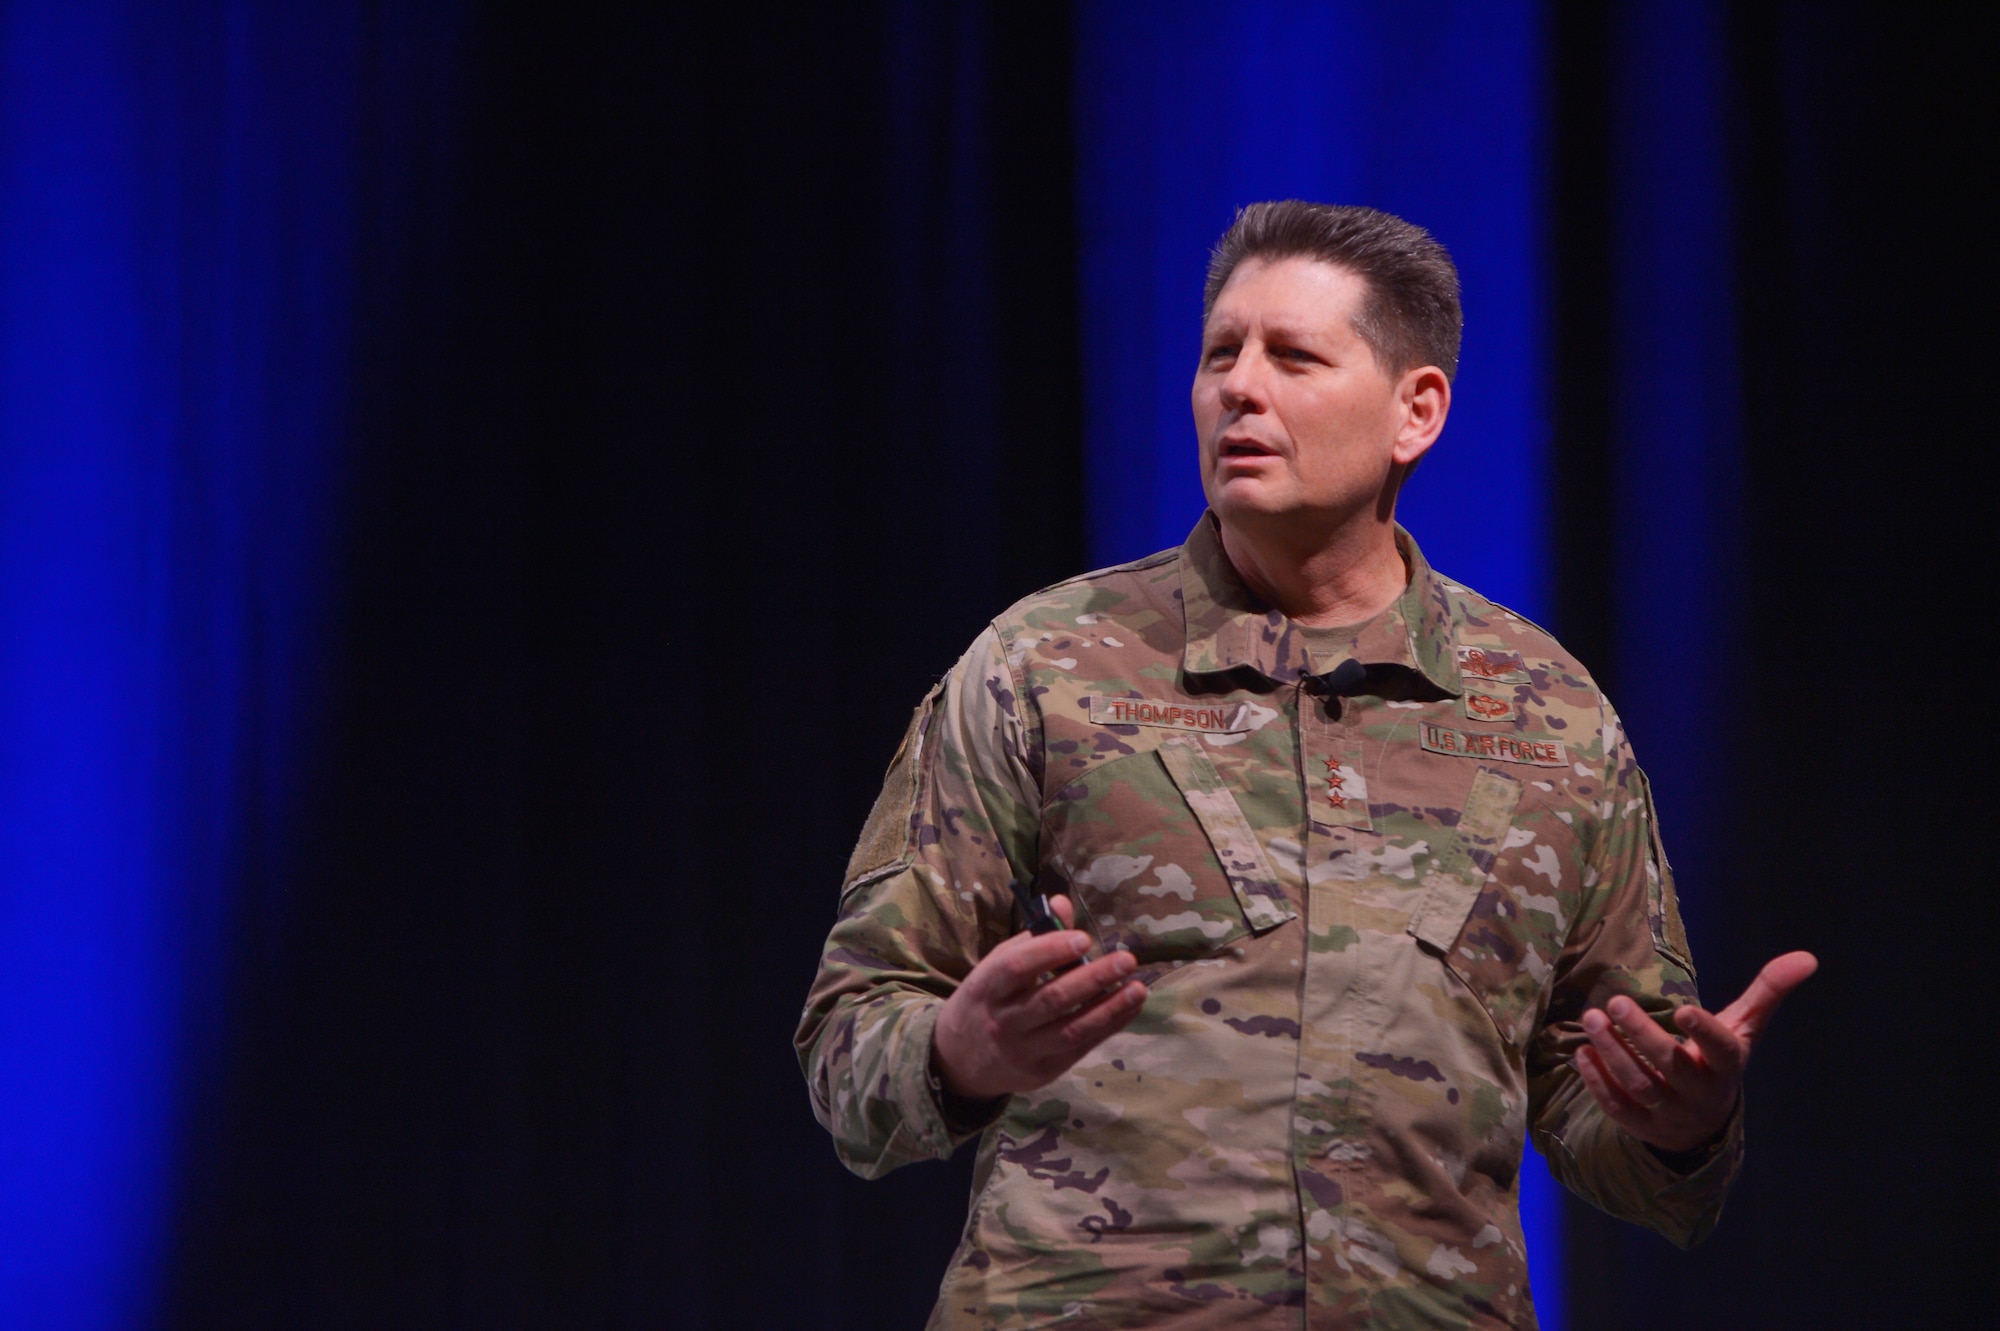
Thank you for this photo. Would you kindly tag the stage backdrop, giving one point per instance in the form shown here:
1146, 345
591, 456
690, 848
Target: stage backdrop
481, 487
197, 203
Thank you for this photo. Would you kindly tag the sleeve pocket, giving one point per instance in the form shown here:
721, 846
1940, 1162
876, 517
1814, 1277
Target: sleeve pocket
1663, 907
888, 838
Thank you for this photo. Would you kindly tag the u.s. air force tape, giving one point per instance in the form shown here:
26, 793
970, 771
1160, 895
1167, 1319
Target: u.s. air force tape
1528, 749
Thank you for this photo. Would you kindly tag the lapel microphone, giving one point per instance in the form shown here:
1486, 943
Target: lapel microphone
1345, 679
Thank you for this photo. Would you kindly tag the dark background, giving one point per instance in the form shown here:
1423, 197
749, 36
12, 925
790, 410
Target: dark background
702, 424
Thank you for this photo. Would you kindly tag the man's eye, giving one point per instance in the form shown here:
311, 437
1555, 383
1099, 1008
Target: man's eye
1222, 353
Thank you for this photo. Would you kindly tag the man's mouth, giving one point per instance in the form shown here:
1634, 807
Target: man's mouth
1244, 448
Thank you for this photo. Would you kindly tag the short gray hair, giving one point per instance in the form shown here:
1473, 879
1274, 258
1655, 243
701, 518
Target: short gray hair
1411, 316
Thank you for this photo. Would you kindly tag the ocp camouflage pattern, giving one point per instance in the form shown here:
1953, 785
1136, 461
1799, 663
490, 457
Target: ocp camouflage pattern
1372, 901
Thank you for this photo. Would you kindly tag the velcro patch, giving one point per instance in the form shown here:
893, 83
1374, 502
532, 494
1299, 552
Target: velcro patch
1506, 748
1491, 663
1487, 707
1214, 719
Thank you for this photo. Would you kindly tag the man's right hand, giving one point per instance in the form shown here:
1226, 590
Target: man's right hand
1007, 1030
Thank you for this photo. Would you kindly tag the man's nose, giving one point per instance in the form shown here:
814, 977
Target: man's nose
1243, 386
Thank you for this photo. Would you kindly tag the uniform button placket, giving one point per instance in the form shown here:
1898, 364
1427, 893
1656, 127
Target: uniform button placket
1324, 1149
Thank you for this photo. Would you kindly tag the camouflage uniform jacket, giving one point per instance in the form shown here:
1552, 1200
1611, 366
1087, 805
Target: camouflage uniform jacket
1371, 903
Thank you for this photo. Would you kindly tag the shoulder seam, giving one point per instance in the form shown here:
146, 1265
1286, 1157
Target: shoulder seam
1002, 638
1460, 590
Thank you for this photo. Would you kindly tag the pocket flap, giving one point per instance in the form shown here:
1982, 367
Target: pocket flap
1460, 870
1241, 855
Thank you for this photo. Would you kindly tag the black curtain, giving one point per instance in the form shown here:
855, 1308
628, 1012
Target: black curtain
1862, 305
726, 385
729, 388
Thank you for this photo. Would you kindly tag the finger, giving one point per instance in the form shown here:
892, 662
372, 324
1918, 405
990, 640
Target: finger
1065, 911
1642, 1033
1617, 1105
1721, 1047
1059, 997
1640, 1082
1103, 1019
1752, 1012
1017, 964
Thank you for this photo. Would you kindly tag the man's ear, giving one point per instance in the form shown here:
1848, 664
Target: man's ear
1425, 395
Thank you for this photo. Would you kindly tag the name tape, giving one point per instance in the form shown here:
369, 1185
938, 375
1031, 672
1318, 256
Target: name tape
1223, 718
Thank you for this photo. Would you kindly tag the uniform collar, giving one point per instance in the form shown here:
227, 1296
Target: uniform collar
1229, 628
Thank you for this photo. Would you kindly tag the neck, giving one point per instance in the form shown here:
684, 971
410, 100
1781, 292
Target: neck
1343, 577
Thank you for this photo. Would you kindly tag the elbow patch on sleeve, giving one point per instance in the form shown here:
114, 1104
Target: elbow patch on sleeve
889, 837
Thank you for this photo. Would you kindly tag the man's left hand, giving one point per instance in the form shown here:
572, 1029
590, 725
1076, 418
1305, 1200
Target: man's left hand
1678, 1094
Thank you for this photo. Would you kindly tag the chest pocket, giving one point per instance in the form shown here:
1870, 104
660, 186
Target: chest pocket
1161, 856
1464, 923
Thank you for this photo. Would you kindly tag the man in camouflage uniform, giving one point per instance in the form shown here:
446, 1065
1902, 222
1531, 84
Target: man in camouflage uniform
1365, 884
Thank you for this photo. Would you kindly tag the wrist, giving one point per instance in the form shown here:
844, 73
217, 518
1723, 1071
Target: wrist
963, 1115
1688, 1159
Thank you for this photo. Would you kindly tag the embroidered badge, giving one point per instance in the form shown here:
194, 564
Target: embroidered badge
1487, 707
1219, 718
1506, 748
1490, 663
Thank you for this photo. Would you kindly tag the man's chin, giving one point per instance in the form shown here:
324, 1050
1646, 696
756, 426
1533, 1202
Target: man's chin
1283, 519
1243, 502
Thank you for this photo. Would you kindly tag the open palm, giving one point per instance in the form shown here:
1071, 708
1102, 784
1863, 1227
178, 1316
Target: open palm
1677, 1094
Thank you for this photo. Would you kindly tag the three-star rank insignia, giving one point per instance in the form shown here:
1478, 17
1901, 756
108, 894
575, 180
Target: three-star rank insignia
1336, 782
